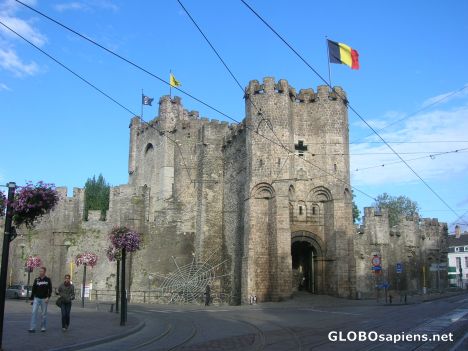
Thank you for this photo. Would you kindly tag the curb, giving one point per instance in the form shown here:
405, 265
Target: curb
443, 297
104, 340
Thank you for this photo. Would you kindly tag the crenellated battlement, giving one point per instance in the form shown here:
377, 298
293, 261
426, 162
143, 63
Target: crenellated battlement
233, 132
282, 87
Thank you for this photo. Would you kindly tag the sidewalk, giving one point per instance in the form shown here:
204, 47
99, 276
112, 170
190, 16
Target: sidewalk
87, 326
420, 298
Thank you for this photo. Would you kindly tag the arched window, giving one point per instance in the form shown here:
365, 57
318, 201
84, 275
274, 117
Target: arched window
149, 148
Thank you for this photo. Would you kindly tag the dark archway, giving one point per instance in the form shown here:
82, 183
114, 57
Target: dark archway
303, 254
307, 262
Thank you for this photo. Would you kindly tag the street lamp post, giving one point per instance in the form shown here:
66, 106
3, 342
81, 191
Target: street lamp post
117, 287
7, 237
123, 295
83, 288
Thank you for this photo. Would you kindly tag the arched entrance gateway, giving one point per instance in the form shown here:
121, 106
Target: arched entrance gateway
307, 262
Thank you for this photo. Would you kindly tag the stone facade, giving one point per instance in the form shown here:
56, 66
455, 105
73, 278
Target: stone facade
418, 244
269, 198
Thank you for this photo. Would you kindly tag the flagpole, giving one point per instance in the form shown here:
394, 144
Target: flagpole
142, 97
328, 60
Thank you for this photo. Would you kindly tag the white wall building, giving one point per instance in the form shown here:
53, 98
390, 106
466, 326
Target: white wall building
458, 259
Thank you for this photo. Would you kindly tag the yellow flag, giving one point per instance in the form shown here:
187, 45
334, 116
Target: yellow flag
173, 81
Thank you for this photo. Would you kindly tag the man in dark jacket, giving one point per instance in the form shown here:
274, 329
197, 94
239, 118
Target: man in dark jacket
41, 292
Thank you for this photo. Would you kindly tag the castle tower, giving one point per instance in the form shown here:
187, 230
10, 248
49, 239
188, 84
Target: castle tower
298, 219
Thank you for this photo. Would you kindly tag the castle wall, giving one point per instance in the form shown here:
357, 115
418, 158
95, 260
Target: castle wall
238, 197
414, 242
234, 195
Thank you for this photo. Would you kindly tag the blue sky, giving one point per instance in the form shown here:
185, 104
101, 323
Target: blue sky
412, 55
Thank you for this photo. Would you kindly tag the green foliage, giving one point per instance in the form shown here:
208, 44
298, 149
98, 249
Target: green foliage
97, 193
397, 206
356, 211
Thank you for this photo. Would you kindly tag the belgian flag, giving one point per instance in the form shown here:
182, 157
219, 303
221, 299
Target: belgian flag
342, 53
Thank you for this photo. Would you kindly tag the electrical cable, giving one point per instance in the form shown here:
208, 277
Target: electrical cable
187, 94
269, 124
413, 159
415, 112
94, 87
350, 107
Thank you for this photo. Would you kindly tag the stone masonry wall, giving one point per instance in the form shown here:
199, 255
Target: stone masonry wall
238, 197
414, 242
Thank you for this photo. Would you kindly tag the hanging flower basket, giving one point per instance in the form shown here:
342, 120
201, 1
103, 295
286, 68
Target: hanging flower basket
33, 262
86, 259
2, 204
33, 201
124, 238
113, 254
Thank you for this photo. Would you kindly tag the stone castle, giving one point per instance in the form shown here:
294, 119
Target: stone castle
269, 198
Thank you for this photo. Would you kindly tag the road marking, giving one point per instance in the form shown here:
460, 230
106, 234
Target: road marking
332, 312
188, 311
455, 347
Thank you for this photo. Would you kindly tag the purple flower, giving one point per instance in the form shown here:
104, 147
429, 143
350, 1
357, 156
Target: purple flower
3, 202
113, 254
33, 262
86, 259
33, 201
124, 238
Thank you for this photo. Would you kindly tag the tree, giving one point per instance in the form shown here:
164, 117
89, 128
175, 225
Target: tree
397, 206
356, 211
97, 193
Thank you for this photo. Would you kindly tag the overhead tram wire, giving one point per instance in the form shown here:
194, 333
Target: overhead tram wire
192, 181
97, 89
412, 142
413, 159
349, 106
240, 86
230, 72
459, 218
189, 95
126, 60
414, 113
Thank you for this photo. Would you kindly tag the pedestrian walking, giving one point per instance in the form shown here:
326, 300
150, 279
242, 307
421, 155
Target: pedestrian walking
40, 295
207, 295
66, 293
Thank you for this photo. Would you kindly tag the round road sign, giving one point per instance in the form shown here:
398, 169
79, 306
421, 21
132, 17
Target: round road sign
376, 261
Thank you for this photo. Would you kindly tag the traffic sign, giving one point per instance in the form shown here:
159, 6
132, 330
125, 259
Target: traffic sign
399, 268
376, 261
376, 268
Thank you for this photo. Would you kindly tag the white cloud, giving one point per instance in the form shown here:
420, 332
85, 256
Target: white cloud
446, 97
4, 87
86, 6
70, 6
10, 61
381, 122
23, 28
9, 58
439, 125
